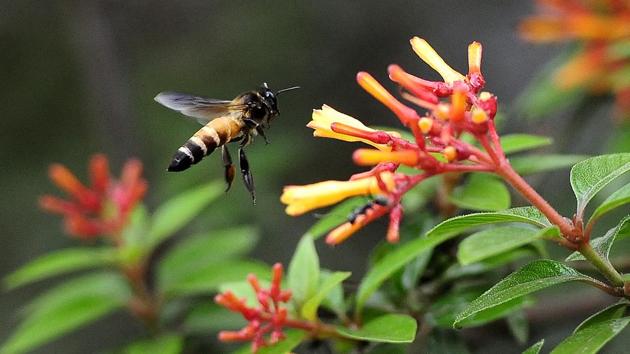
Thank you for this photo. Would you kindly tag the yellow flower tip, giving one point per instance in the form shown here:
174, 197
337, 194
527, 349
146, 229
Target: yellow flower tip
370, 157
479, 116
301, 199
425, 124
450, 153
433, 59
474, 57
442, 111
485, 95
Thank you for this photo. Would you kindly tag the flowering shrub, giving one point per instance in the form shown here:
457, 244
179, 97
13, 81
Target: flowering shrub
443, 177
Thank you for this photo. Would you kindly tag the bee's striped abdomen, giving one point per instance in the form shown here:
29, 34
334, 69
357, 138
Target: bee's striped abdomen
214, 134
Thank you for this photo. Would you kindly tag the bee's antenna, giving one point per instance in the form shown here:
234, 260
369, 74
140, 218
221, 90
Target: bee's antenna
287, 89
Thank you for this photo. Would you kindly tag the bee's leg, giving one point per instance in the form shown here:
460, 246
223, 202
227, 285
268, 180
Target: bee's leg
261, 132
229, 167
248, 179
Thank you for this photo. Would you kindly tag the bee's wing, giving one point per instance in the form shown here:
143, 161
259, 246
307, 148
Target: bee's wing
203, 109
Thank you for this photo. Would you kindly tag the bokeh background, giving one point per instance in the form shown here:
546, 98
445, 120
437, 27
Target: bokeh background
79, 77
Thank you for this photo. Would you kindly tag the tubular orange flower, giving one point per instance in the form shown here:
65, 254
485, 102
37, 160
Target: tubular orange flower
370, 157
300, 199
454, 106
406, 114
324, 118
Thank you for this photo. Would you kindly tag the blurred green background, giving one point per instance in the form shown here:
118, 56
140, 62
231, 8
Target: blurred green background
79, 77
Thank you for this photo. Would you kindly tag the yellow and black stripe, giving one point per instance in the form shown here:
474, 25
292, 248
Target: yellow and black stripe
218, 132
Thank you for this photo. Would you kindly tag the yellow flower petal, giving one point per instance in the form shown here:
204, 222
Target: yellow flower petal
300, 199
431, 57
323, 119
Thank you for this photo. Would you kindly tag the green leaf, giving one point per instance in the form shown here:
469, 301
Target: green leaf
208, 278
334, 301
482, 192
530, 164
60, 262
309, 310
496, 240
534, 276
591, 338
335, 217
165, 344
391, 328
398, 258
456, 270
67, 307
603, 244
512, 143
611, 312
205, 249
391, 263
293, 339
535, 349
303, 273
590, 176
443, 312
459, 224
180, 210
617, 199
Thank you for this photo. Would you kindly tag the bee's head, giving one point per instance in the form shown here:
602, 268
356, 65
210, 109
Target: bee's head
269, 98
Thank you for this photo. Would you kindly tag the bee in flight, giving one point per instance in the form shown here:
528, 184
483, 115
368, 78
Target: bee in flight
240, 119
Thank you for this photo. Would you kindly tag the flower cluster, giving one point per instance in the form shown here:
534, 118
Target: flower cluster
455, 106
603, 27
269, 317
102, 208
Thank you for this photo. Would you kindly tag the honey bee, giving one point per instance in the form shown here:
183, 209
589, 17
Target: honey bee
238, 120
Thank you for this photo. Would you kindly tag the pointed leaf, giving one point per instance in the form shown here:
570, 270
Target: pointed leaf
392, 328
617, 199
309, 310
535, 276
66, 307
512, 143
611, 312
603, 244
535, 349
181, 209
165, 344
496, 240
205, 249
530, 164
590, 176
592, 338
482, 192
303, 273
466, 222
443, 312
336, 216
60, 262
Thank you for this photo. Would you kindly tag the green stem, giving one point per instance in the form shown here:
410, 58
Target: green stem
601, 264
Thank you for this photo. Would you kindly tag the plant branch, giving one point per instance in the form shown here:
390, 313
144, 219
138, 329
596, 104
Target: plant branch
602, 264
